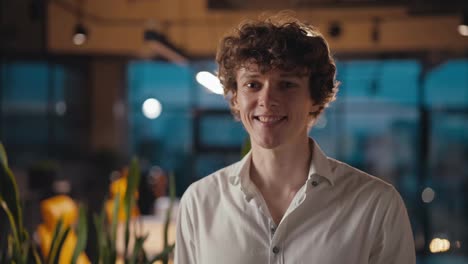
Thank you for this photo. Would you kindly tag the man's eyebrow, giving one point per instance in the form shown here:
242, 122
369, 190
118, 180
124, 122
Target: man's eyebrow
249, 75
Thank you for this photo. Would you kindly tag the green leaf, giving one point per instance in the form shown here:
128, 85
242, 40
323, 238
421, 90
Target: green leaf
63, 237
164, 254
3, 156
37, 258
15, 243
112, 235
24, 252
137, 249
25, 247
172, 193
58, 238
11, 204
11, 242
55, 238
101, 233
115, 218
10, 194
133, 180
82, 235
98, 230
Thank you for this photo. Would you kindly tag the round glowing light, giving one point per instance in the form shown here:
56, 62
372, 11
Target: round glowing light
428, 195
438, 245
60, 108
463, 30
152, 108
79, 39
210, 81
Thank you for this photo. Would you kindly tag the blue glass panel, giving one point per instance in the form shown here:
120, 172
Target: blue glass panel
209, 163
393, 81
357, 78
447, 85
222, 131
448, 176
398, 81
167, 139
29, 80
169, 83
324, 132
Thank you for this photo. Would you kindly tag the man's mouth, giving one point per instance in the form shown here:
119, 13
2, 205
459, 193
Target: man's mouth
270, 120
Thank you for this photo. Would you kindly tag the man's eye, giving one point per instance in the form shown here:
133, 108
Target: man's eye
253, 85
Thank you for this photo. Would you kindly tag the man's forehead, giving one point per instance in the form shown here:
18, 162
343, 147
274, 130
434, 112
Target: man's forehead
252, 68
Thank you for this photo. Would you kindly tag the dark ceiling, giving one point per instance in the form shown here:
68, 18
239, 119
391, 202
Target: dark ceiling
414, 6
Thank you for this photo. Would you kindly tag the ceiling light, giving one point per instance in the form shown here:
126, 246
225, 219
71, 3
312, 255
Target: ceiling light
463, 27
80, 34
335, 29
152, 108
210, 81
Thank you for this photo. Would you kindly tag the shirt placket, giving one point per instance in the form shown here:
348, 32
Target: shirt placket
277, 233
275, 248
275, 252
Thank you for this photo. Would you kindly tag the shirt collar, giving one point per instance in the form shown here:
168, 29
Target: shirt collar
319, 165
240, 175
240, 169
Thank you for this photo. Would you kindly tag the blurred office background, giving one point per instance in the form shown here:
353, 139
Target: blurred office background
85, 85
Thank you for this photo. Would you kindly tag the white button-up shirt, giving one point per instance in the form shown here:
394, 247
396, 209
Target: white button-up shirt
340, 215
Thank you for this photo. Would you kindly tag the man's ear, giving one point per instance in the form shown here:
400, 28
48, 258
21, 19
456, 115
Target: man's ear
234, 103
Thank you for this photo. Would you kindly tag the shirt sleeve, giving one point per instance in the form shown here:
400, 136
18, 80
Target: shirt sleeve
394, 241
184, 251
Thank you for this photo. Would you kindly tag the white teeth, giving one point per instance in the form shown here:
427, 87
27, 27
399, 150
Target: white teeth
269, 119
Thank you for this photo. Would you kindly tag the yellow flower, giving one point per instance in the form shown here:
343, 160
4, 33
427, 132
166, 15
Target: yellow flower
119, 186
52, 209
58, 206
66, 253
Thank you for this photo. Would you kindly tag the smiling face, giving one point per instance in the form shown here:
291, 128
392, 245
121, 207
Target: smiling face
274, 107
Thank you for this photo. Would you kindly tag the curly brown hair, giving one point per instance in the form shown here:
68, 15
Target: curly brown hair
281, 42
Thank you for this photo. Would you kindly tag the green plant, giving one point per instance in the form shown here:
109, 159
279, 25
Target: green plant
19, 245
107, 234
20, 248
18, 242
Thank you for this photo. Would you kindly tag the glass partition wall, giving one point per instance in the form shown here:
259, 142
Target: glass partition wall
396, 119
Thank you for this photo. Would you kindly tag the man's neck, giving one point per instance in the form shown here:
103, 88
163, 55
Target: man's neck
283, 169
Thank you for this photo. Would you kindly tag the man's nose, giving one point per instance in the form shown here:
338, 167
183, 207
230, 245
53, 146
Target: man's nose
268, 97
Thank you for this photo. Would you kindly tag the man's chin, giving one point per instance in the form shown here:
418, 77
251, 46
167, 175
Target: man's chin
267, 143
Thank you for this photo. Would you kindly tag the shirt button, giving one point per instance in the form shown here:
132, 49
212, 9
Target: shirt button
314, 183
276, 250
273, 230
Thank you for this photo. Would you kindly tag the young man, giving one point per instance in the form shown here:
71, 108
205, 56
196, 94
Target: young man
285, 201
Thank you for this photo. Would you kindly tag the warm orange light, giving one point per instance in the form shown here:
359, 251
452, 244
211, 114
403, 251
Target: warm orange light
439, 245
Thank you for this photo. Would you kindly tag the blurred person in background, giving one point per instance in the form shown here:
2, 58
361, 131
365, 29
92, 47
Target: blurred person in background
159, 181
286, 201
